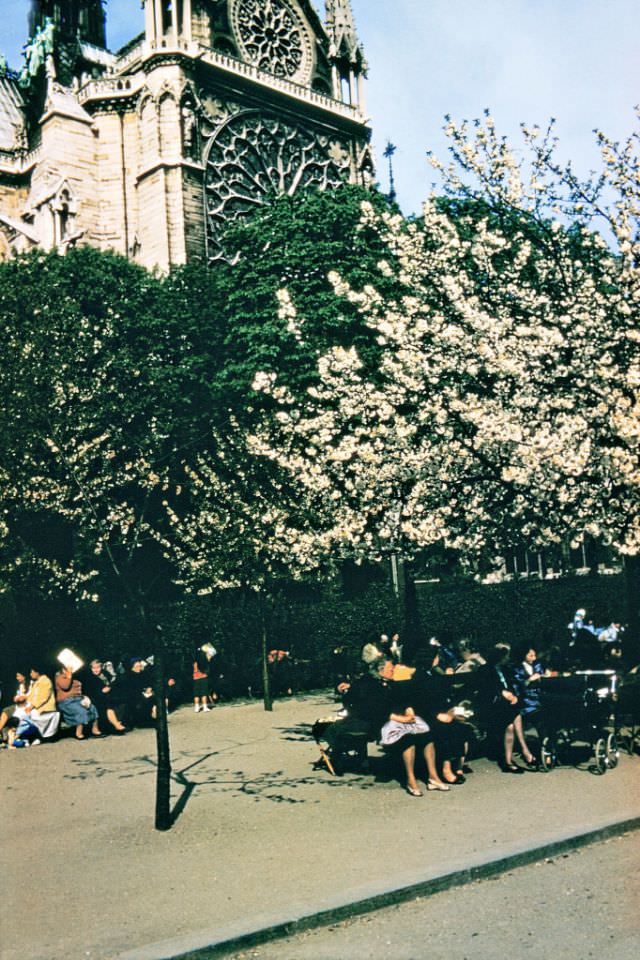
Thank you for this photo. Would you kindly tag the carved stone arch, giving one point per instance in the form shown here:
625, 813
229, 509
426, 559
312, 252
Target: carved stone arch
253, 156
168, 89
366, 167
190, 119
169, 121
225, 44
55, 216
148, 127
145, 97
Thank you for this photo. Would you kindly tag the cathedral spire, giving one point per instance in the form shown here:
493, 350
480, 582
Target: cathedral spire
341, 29
348, 65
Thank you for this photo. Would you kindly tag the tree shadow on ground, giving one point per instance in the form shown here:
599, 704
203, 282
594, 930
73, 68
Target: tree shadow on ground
301, 731
193, 772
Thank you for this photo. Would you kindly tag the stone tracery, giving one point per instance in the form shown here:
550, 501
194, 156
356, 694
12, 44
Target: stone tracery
272, 36
253, 157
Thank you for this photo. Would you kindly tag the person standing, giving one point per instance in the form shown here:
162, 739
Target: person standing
200, 681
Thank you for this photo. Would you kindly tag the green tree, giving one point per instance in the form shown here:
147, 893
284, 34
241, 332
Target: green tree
504, 406
99, 378
250, 527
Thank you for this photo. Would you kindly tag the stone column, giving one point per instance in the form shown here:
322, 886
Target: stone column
352, 88
174, 21
149, 20
186, 21
159, 20
361, 98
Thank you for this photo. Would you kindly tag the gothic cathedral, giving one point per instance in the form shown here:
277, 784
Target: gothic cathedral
150, 151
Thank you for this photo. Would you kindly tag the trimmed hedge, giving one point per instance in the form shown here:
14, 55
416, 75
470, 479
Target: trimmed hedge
311, 623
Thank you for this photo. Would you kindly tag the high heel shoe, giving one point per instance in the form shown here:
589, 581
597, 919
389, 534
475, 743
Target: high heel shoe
414, 792
435, 785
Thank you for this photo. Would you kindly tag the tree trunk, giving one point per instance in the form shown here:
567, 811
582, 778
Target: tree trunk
266, 682
411, 614
632, 585
163, 774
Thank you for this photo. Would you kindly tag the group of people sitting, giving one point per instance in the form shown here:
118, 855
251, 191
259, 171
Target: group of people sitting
92, 701
419, 707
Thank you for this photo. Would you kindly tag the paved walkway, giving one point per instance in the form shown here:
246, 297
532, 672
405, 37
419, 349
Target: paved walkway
262, 839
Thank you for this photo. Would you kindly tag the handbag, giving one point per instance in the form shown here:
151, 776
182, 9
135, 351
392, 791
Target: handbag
393, 730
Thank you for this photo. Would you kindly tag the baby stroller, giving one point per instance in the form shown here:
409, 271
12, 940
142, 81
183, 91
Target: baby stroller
579, 710
629, 712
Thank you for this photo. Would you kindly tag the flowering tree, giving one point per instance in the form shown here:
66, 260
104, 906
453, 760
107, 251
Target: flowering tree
102, 392
505, 404
236, 522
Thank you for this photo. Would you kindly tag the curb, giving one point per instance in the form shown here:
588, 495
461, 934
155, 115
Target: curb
426, 888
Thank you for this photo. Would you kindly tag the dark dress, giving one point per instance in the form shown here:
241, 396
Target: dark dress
93, 685
400, 696
496, 711
528, 693
137, 705
433, 694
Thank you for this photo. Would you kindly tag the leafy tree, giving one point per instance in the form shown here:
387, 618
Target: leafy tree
238, 522
99, 377
293, 244
505, 402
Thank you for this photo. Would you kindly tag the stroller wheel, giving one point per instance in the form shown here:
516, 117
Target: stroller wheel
548, 758
600, 756
613, 753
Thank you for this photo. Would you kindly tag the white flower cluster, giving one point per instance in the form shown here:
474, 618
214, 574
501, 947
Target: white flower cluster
507, 395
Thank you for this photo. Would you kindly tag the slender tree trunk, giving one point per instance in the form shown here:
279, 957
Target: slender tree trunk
632, 585
163, 775
266, 682
411, 618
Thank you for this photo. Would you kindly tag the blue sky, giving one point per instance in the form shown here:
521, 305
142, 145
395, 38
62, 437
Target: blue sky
526, 60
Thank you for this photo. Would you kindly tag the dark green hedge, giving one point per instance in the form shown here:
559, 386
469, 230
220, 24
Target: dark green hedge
309, 623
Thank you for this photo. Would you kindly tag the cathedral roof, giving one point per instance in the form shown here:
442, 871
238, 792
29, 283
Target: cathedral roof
12, 118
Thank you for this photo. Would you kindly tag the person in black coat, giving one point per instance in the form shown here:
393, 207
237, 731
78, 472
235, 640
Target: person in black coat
137, 693
500, 706
98, 685
433, 695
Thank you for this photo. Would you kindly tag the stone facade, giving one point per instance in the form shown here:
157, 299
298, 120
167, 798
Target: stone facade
152, 150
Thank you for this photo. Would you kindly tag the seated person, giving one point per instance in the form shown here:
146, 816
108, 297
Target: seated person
102, 689
433, 694
355, 725
137, 693
8, 715
499, 702
75, 707
470, 658
527, 675
39, 717
406, 732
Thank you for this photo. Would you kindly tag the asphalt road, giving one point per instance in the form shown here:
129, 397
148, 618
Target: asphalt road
584, 904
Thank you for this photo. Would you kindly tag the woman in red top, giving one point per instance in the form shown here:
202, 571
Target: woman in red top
200, 682
76, 710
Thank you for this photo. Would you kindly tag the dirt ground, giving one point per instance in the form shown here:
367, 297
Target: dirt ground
261, 837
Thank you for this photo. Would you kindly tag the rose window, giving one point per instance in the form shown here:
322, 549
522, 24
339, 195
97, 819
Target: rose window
253, 157
272, 36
